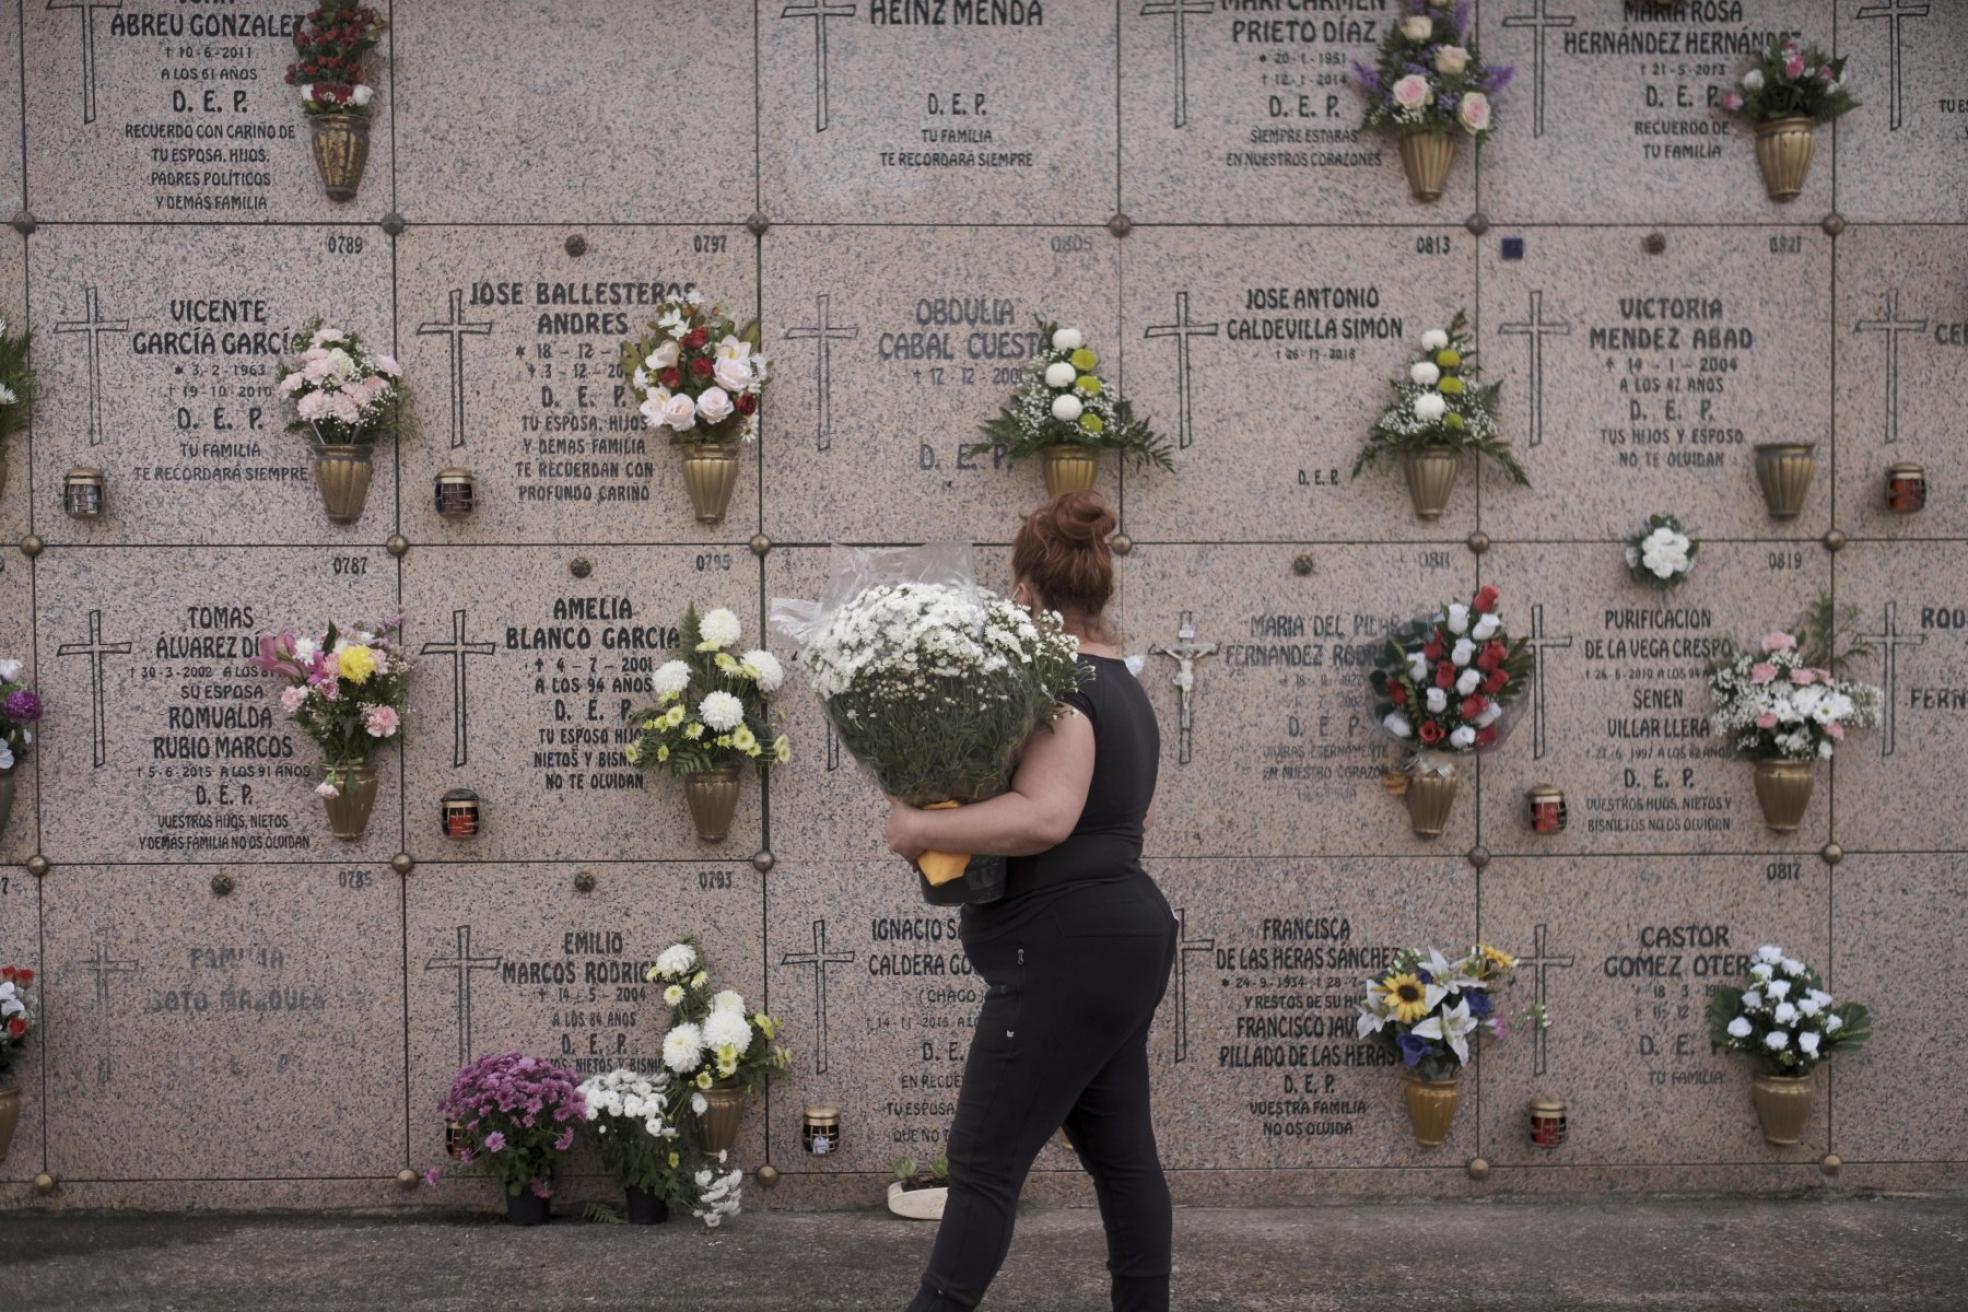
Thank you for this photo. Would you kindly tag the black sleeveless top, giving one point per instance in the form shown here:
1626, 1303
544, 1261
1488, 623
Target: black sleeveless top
1127, 749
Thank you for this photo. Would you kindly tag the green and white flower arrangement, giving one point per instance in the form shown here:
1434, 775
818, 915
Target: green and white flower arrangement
1785, 1021
16, 384
652, 1151
1662, 554
1065, 402
712, 708
714, 1041
1441, 404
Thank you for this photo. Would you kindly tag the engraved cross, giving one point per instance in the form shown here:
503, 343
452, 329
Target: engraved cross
95, 649
1185, 651
1537, 328
819, 11
459, 650
819, 959
1892, 640
89, 7
104, 965
1893, 326
1540, 962
1537, 642
457, 329
1182, 330
1186, 945
92, 325
1180, 9
825, 333
465, 963
1538, 21
1895, 12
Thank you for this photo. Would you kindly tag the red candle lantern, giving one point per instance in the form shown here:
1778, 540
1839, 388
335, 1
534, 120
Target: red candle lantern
1547, 1122
1547, 807
1906, 489
460, 813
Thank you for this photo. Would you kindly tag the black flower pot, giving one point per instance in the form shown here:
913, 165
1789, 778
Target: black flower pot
647, 1208
528, 1208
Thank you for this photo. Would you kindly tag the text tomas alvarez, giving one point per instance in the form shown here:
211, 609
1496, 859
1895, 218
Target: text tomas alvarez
580, 637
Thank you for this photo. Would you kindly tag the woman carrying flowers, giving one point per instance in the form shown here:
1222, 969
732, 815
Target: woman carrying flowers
1063, 1035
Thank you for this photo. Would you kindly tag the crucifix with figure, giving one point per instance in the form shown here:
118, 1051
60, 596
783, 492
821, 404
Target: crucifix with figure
96, 649
1890, 638
1539, 21
1539, 963
823, 332
1184, 946
465, 963
92, 326
1538, 642
459, 650
1537, 328
1893, 326
1182, 330
457, 329
104, 965
819, 959
819, 11
88, 9
1185, 651
1895, 12
1180, 10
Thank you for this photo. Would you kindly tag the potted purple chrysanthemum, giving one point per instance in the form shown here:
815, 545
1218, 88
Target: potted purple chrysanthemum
514, 1116
20, 710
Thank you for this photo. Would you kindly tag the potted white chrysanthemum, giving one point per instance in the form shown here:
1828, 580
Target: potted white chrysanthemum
712, 715
1786, 1022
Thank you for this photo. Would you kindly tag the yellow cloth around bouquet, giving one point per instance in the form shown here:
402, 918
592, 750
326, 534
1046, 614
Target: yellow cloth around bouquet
940, 868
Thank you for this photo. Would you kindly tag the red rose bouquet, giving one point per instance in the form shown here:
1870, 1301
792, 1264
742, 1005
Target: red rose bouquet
331, 41
1442, 682
696, 373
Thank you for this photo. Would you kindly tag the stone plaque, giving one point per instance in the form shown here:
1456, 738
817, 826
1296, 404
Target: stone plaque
525, 673
1248, 113
1623, 953
496, 94
1255, 1058
1637, 384
893, 347
1613, 115
1910, 55
1618, 713
1275, 749
1918, 901
878, 996
998, 111
514, 346
20, 936
1902, 340
1896, 781
163, 745
506, 958
158, 355
186, 1020
157, 112
1265, 357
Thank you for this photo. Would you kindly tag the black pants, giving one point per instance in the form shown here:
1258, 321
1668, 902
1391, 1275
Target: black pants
1074, 974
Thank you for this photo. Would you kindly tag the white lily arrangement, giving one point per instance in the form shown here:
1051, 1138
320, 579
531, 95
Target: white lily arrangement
1429, 1010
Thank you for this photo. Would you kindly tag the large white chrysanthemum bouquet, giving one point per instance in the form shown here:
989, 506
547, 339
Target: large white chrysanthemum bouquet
648, 1148
1065, 402
696, 373
1788, 700
1439, 402
714, 1041
1785, 1020
1427, 1010
713, 707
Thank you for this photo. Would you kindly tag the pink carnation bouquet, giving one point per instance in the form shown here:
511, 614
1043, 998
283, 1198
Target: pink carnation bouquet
343, 393
513, 1116
346, 689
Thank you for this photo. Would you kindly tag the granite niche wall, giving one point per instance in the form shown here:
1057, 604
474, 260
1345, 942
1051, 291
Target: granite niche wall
897, 189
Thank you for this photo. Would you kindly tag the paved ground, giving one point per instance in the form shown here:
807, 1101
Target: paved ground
1807, 1255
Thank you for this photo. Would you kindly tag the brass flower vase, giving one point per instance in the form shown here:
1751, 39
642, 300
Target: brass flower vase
1783, 789
1783, 1106
1784, 470
1430, 797
713, 797
719, 1122
10, 1103
1070, 468
341, 151
710, 471
1431, 475
1427, 156
1783, 152
6, 798
348, 810
1431, 1108
342, 474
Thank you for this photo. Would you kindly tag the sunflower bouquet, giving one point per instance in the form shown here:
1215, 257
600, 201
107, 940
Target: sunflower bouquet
1428, 1010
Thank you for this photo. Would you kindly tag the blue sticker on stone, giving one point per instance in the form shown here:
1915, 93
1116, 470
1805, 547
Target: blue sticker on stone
1513, 248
